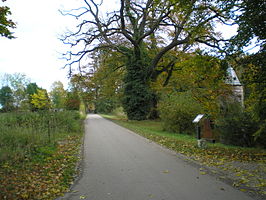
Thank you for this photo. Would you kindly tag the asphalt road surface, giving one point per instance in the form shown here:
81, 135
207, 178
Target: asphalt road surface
121, 165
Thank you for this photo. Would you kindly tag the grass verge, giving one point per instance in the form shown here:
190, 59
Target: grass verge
46, 175
42, 168
245, 168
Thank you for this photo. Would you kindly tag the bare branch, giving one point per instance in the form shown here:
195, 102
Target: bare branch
123, 25
135, 22
69, 13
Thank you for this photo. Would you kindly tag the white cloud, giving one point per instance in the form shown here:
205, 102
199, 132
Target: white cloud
35, 50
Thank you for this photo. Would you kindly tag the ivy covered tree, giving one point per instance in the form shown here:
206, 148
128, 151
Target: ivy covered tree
133, 30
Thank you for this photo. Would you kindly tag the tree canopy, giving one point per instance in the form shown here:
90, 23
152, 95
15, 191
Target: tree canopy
250, 16
144, 32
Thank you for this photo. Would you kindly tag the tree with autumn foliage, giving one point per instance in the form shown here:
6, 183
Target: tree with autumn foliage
128, 29
197, 86
41, 100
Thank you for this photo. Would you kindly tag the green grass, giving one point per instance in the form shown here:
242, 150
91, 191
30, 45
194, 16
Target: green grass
38, 153
21, 134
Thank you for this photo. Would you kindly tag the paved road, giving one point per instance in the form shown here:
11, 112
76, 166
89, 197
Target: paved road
120, 165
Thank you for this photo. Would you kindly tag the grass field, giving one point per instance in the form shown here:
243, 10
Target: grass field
38, 153
22, 133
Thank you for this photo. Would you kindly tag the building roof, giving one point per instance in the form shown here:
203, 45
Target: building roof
231, 77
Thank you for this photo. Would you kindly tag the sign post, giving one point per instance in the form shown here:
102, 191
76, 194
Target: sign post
198, 129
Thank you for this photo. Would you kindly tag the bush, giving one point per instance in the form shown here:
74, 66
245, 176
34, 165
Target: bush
105, 106
236, 127
177, 112
119, 111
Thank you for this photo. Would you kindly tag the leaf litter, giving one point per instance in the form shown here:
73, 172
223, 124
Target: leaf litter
44, 179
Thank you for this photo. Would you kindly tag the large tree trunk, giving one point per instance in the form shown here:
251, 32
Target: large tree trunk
137, 101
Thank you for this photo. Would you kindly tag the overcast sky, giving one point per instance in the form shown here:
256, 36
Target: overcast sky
36, 50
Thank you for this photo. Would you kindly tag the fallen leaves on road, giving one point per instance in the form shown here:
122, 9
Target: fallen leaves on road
82, 197
244, 167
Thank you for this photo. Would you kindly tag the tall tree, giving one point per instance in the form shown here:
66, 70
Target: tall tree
251, 20
31, 89
6, 99
72, 100
58, 95
18, 83
254, 78
127, 30
41, 100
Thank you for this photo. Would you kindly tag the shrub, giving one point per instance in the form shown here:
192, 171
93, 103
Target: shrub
177, 112
105, 106
119, 111
236, 127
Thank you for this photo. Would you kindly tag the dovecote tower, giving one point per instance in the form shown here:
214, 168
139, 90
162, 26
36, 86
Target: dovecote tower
237, 87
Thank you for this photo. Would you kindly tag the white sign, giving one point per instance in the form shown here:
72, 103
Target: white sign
198, 118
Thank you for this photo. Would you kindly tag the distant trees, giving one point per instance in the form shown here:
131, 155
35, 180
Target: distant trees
6, 99
58, 95
19, 94
17, 83
100, 86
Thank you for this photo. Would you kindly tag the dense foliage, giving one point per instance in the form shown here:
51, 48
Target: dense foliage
177, 110
6, 24
250, 18
137, 96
